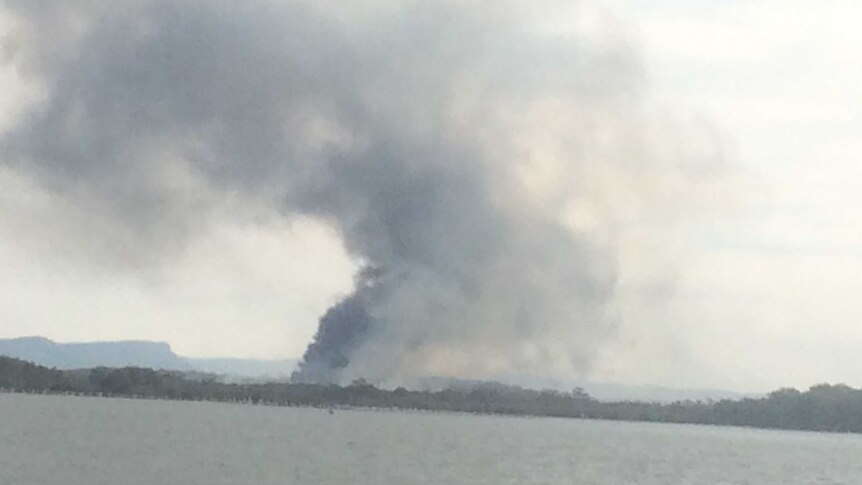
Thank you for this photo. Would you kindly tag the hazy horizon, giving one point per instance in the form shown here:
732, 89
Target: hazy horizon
644, 192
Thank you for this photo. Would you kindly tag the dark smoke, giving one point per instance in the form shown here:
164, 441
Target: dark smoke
486, 158
343, 328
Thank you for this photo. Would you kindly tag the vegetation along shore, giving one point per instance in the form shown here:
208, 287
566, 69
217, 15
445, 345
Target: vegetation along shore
824, 407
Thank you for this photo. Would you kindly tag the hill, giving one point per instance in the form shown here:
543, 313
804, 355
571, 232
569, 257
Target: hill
42, 351
138, 353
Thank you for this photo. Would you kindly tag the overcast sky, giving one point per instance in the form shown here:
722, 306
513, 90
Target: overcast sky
764, 282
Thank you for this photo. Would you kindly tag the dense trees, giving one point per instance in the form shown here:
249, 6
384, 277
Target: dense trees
17, 374
822, 408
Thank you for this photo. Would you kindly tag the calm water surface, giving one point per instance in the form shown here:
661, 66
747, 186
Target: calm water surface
91, 441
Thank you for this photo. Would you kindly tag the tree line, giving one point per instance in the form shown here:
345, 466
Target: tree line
824, 407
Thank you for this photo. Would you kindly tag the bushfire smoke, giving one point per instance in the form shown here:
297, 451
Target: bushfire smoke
483, 161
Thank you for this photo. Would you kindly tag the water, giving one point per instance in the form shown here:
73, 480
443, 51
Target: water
92, 441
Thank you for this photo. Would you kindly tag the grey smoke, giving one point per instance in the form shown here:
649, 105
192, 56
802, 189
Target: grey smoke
343, 328
449, 143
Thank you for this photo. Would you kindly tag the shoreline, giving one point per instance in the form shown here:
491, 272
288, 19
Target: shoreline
424, 411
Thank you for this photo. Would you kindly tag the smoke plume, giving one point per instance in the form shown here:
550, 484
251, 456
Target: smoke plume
483, 161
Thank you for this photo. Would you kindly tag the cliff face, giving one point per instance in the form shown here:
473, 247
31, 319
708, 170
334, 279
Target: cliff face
42, 351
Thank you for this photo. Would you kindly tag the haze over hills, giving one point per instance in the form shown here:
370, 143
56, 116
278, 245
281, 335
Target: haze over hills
156, 355
611, 392
276, 369
602, 391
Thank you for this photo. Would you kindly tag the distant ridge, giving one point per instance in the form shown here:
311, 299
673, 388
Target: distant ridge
137, 353
42, 351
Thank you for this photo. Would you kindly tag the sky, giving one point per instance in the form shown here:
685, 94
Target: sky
753, 277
